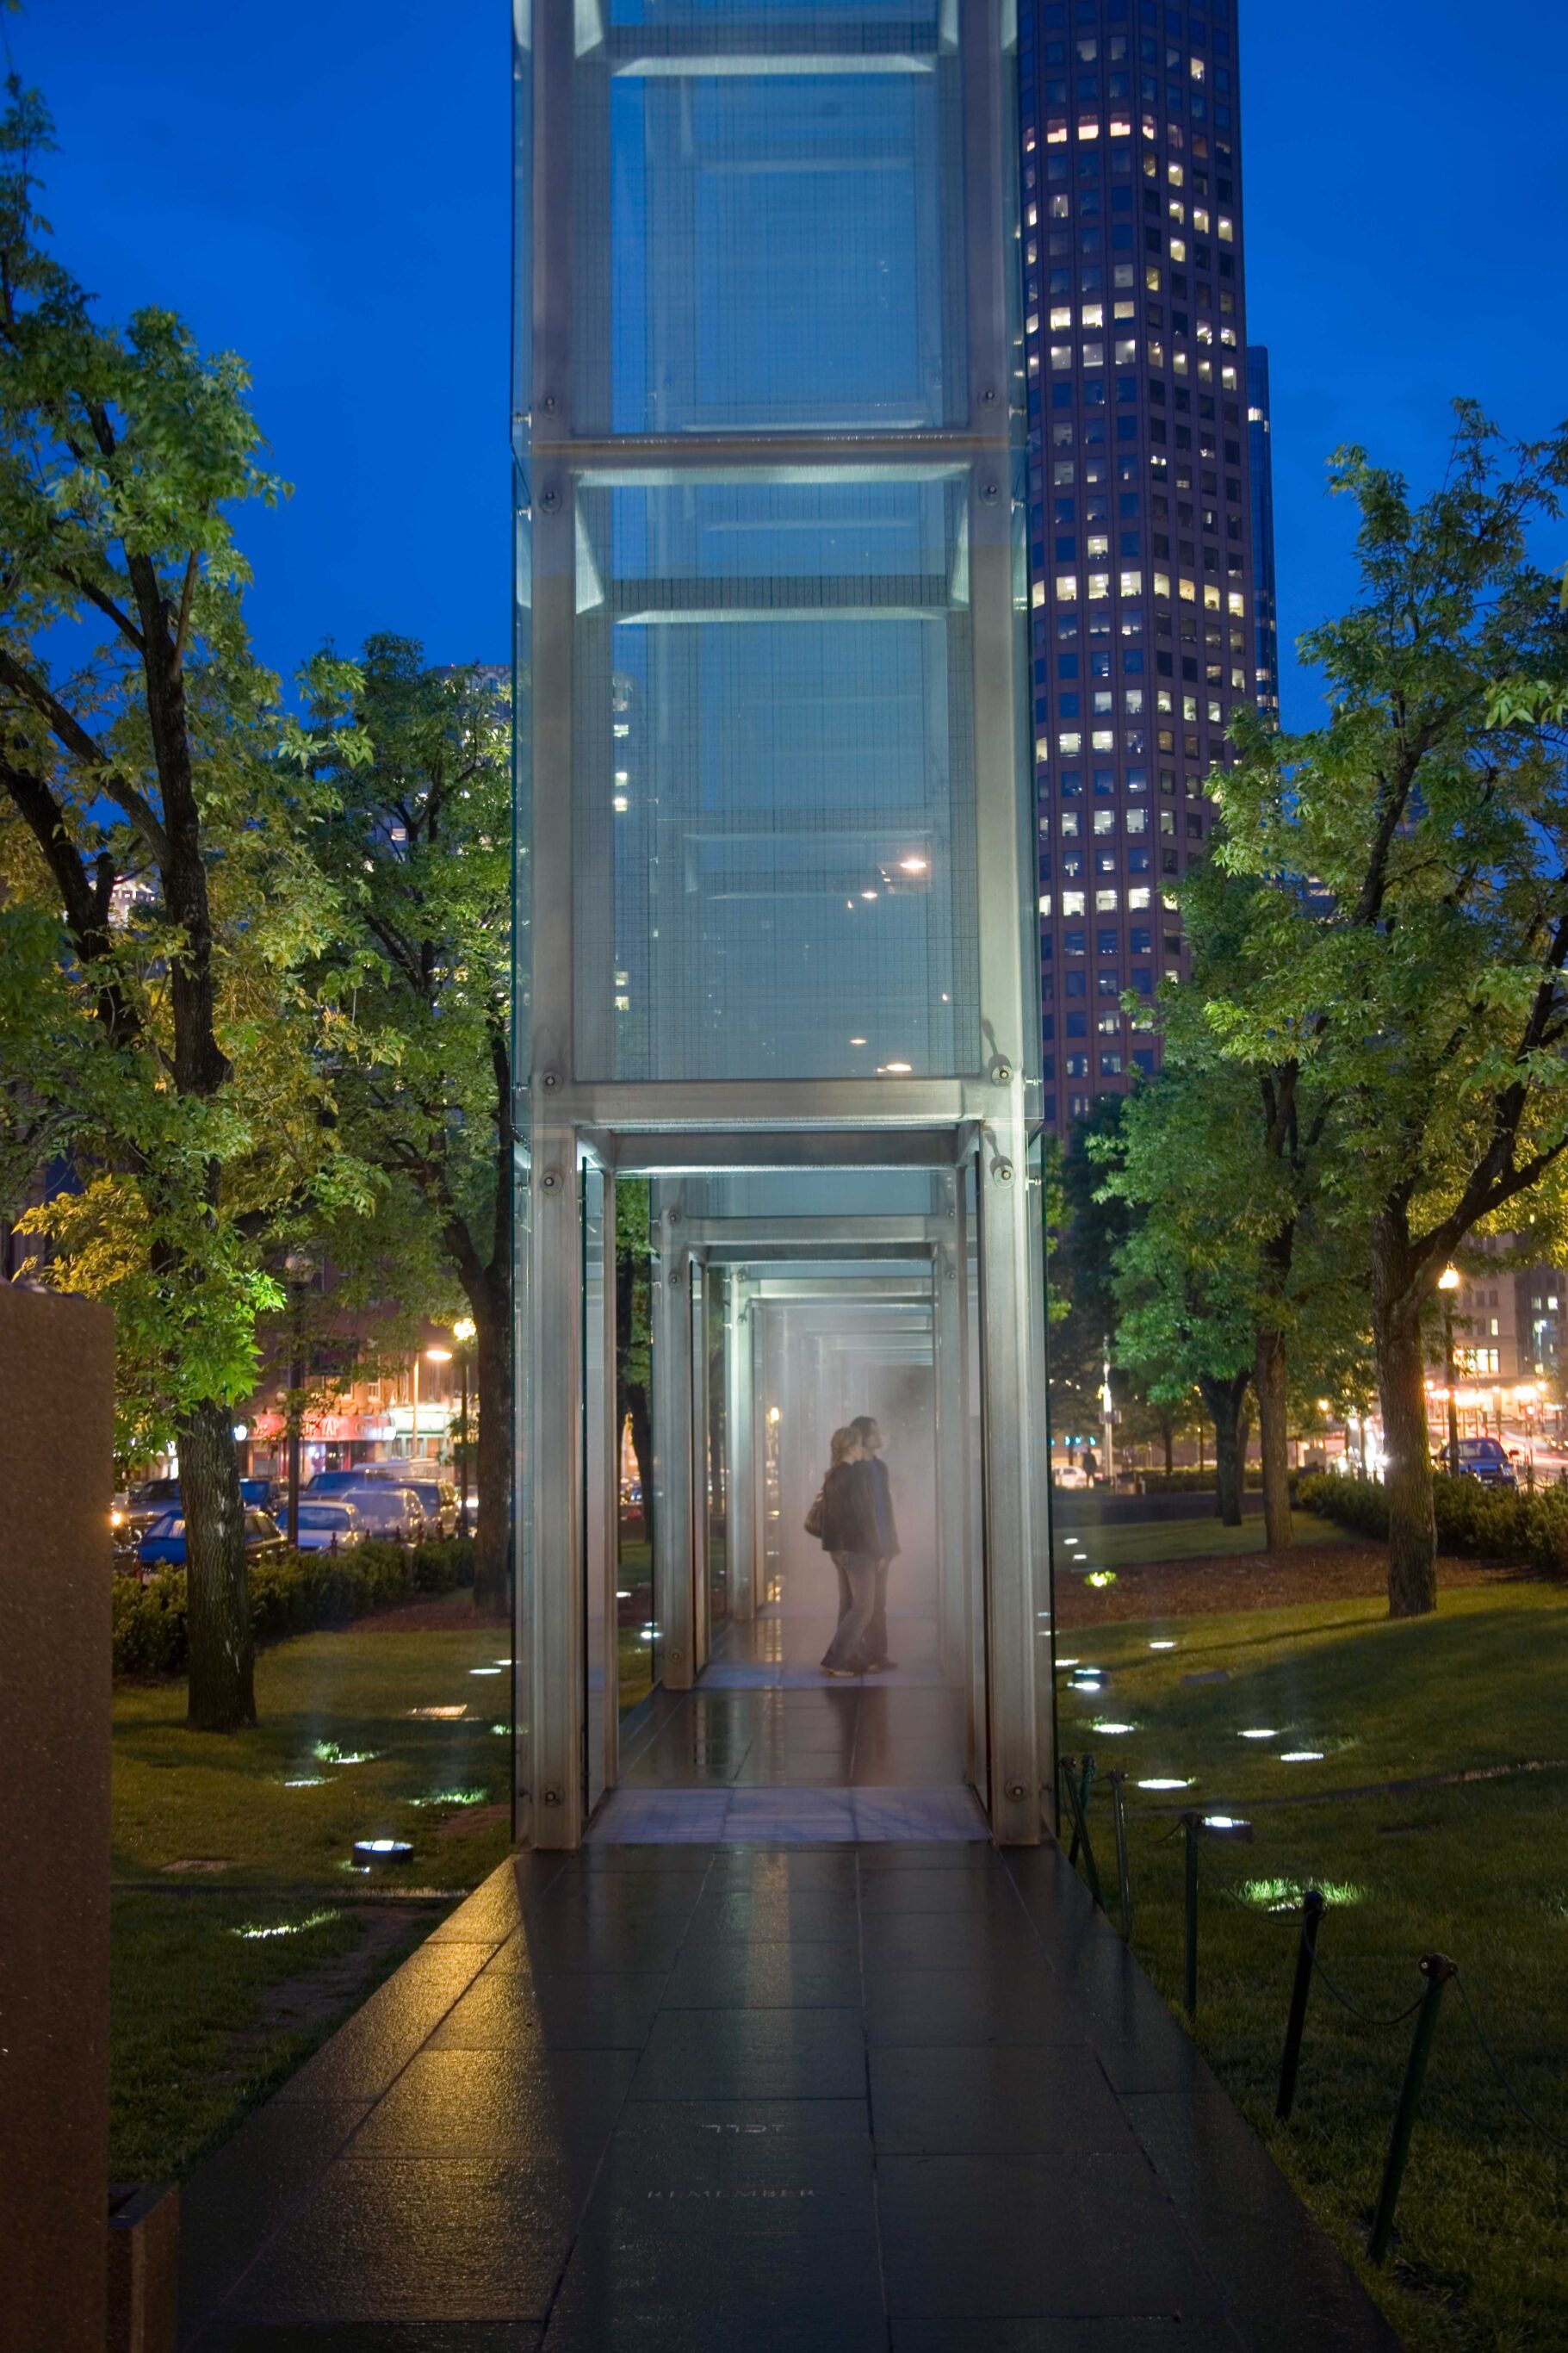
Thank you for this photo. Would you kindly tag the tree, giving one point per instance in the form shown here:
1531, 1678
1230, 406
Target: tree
1231, 1160
416, 846
1409, 948
1181, 1276
634, 1332
135, 731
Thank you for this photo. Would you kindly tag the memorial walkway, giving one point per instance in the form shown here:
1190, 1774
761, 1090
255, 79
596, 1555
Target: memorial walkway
909, 2097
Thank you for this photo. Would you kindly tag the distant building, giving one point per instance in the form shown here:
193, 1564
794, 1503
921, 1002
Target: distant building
1144, 588
1266, 621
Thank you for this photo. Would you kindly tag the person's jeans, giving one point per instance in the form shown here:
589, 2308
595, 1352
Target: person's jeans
876, 1625
857, 1577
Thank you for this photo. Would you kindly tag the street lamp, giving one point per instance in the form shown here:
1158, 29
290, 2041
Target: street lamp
1447, 1283
463, 1332
437, 1356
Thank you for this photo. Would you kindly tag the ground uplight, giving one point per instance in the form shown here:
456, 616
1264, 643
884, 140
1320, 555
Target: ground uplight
1260, 1731
327, 1752
1112, 1729
382, 1850
1302, 1756
1164, 1781
1162, 1646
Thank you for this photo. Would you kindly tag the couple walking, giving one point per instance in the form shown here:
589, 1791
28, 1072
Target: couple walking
853, 1519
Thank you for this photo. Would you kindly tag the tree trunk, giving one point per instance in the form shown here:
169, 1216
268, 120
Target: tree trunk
1168, 1437
1223, 1401
1269, 1380
1401, 1382
222, 1696
492, 1455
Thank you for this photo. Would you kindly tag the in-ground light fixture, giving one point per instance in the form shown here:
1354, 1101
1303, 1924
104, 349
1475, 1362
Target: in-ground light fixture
382, 1850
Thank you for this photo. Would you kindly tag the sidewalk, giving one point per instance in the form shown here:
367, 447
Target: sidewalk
885, 2096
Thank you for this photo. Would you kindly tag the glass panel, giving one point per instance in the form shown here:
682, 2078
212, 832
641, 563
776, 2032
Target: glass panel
768, 217
776, 869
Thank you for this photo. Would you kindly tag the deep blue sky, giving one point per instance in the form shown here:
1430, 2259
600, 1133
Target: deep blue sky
325, 188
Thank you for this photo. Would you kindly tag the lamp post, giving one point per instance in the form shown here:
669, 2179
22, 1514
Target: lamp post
463, 1332
298, 1269
437, 1356
1447, 1283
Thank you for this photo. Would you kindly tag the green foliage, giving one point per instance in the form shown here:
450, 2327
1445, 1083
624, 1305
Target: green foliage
158, 902
291, 1596
1476, 1522
1415, 979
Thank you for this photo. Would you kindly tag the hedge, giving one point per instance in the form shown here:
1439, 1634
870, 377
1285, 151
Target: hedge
1485, 1523
291, 1596
1191, 1483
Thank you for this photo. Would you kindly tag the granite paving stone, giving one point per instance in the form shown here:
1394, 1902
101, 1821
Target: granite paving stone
784, 2095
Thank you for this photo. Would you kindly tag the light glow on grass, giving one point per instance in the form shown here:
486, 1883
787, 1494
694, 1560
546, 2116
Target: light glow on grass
503, 1729
484, 1670
1302, 1756
452, 1798
1162, 1646
306, 1781
1101, 1576
1113, 1729
1165, 1782
327, 1752
440, 1714
1285, 1894
253, 1931
1261, 1732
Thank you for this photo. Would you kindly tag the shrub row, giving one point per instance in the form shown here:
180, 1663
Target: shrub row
291, 1596
1485, 1523
1189, 1482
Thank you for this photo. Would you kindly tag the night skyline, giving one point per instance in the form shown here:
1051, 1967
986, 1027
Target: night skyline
368, 222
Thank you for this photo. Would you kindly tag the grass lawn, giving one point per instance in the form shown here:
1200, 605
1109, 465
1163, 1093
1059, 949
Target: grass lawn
206, 2018
1479, 1871
1143, 1540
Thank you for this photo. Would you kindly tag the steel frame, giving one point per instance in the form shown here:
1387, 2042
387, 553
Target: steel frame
980, 1119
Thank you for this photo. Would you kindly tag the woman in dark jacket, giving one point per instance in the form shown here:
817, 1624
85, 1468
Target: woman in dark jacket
849, 1533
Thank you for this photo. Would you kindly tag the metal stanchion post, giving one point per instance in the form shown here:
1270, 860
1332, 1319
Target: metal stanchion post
1119, 1816
1312, 1913
1437, 1968
1080, 1799
1190, 1828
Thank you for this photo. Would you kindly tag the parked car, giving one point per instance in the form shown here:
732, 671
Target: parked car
1485, 1460
163, 1546
386, 1509
333, 1525
133, 1515
437, 1495
142, 1506
332, 1483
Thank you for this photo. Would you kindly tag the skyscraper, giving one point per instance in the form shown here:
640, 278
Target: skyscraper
1142, 569
1266, 618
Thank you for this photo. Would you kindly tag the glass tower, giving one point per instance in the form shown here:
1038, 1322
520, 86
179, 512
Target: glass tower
1266, 617
1143, 593
774, 829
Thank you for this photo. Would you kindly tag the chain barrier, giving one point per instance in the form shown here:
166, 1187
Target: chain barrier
1382, 2025
1498, 2069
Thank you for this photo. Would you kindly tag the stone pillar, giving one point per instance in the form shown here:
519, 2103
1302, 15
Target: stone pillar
56, 1389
